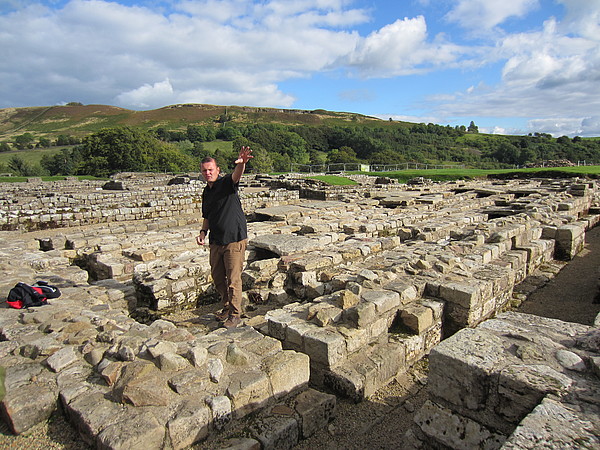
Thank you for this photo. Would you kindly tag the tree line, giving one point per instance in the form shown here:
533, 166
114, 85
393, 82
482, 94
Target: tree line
277, 147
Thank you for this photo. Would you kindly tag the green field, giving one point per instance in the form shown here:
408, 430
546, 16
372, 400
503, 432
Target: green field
31, 157
334, 180
469, 174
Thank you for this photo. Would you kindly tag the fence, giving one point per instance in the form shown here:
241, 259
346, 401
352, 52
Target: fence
356, 167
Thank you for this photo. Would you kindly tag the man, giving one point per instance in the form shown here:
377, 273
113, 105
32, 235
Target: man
223, 215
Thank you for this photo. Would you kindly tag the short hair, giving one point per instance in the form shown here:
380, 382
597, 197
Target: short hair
209, 159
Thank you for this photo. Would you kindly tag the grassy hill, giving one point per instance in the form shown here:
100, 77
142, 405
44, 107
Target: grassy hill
304, 136
81, 120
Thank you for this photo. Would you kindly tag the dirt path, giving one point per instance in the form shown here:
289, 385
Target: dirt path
380, 422
570, 295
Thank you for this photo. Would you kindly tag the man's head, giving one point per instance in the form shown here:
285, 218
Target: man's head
210, 170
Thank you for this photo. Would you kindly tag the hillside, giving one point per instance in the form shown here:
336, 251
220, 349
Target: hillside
81, 120
180, 134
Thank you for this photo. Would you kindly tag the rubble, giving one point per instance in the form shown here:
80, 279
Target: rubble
341, 296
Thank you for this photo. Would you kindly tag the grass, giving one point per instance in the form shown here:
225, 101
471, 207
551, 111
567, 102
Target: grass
213, 146
334, 180
470, 174
31, 157
45, 178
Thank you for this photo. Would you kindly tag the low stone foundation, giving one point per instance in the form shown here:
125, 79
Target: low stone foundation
342, 295
516, 381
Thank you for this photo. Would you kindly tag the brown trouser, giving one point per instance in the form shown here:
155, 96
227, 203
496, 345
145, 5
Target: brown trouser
226, 265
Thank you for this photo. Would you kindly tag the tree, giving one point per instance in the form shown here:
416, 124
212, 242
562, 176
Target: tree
4, 147
228, 133
198, 133
63, 163
225, 158
66, 139
386, 157
343, 155
44, 142
20, 167
114, 150
507, 153
281, 163
473, 128
24, 141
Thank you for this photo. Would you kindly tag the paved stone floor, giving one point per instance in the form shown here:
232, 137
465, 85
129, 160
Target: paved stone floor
380, 422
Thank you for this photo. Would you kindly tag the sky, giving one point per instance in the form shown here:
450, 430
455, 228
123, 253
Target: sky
510, 66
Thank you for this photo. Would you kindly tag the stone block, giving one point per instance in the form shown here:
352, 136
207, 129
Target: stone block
383, 300
189, 425
385, 361
521, 388
453, 430
172, 362
248, 391
378, 329
311, 262
25, 406
91, 412
570, 240
141, 384
278, 321
417, 318
315, 410
356, 338
459, 368
62, 358
345, 380
138, 430
361, 315
276, 432
325, 346
556, 426
287, 371
295, 334
346, 299
467, 295
220, 407
327, 315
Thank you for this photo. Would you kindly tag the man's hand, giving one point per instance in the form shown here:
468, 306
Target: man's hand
201, 237
244, 156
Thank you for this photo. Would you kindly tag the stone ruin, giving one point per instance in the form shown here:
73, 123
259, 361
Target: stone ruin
345, 288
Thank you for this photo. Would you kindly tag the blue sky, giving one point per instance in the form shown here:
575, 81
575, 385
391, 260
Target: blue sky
512, 67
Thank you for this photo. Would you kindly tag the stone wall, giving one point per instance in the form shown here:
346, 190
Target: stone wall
344, 294
516, 381
43, 205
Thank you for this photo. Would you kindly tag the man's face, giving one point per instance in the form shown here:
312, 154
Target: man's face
210, 171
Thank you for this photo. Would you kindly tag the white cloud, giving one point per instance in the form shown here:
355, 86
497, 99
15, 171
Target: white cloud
589, 126
583, 17
147, 95
242, 51
412, 119
486, 14
231, 51
551, 73
401, 48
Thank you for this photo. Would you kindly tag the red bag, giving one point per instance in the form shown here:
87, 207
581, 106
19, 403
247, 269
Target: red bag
25, 296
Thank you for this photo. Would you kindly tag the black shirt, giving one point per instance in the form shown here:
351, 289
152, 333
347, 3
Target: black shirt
222, 207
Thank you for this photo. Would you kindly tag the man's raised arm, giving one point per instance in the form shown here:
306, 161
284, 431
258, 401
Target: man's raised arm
244, 156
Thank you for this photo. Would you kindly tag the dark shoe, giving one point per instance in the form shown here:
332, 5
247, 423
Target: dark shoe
232, 322
222, 315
